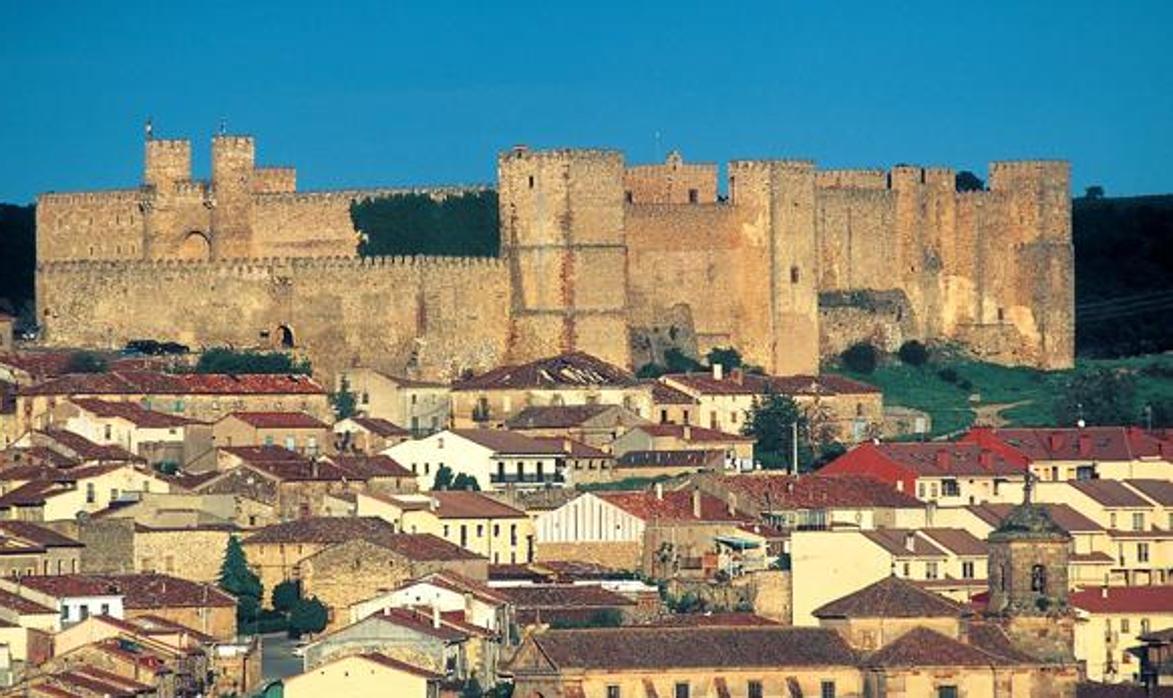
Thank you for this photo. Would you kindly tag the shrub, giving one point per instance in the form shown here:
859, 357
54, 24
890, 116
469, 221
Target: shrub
949, 375
965, 384
308, 616
286, 595
650, 370
860, 357
914, 353
85, 362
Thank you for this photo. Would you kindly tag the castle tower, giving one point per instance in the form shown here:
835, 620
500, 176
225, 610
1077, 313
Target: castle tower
233, 165
166, 163
1037, 231
1028, 581
776, 204
562, 232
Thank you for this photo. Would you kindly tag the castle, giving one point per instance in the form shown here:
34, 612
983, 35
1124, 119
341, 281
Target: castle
794, 264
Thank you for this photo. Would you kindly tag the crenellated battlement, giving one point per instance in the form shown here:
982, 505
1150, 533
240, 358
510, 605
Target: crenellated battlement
106, 196
233, 141
169, 144
254, 264
349, 196
852, 179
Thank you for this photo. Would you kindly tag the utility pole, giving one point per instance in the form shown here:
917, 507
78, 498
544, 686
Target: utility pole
794, 446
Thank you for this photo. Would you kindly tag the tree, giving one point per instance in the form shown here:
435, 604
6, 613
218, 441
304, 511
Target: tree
85, 362
677, 361
860, 357
968, 181
728, 357
472, 689
308, 616
466, 482
1093, 192
443, 480
771, 422
464, 225
344, 402
237, 579
650, 370
286, 595
913, 353
1100, 398
223, 360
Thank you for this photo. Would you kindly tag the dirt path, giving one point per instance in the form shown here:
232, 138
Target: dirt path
991, 415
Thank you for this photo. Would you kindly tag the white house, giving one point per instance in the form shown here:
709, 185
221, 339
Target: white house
447, 591
74, 597
156, 436
496, 459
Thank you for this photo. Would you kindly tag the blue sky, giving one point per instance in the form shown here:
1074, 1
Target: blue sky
387, 93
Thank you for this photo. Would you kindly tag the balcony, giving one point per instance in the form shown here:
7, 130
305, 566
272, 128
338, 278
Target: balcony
527, 478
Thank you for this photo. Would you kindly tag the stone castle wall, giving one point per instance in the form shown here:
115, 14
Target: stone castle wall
795, 265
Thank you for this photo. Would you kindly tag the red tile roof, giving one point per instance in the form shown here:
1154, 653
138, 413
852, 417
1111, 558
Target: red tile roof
664, 394
574, 449
776, 491
367, 467
421, 621
739, 383
692, 434
1067, 518
654, 648
1134, 599
672, 506
87, 450
1160, 491
22, 605
688, 458
942, 459
545, 596
40, 535
921, 647
722, 620
155, 383
460, 584
264, 454
329, 530
472, 505
556, 416
137, 590
891, 597
897, 540
1110, 493
957, 541
131, 412
1088, 443
384, 660
509, 442
278, 420
379, 426
572, 370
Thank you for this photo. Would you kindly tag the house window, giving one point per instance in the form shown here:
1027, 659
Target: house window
967, 570
1144, 626
950, 488
84, 611
513, 534
496, 530
930, 570
1038, 579
463, 535
1142, 552
107, 432
269, 440
907, 570
1138, 521
91, 494
445, 530
681, 690
920, 490
480, 530
64, 612
366, 398
613, 691
693, 196
946, 692
290, 443
105, 609
754, 689
827, 689
1112, 520
531, 181
663, 416
1125, 625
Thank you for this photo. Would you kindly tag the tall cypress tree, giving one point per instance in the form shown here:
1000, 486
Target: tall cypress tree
237, 579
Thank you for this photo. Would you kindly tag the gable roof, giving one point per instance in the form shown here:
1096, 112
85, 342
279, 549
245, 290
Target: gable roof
380, 426
556, 416
687, 458
390, 663
454, 504
156, 383
572, 596
775, 491
508, 442
738, 382
574, 449
957, 541
944, 459
132, 412
1087, 443
646, 648
1066, 517
896, 542
333, 530
891, 597
664, 394
41, 535
1109, 493
571, 370
277, 420
1160, 491
137, 590
691, 434
671, 506
1134, 599
921, 647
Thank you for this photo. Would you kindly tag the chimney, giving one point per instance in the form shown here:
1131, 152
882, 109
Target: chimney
435, 616
738, 375
910, 541
567, 445
467, 604
687, 431
1056, 441
1104, 592
660, 491
718, 372
314, 469
696, 503
1085, 444
731, 500
433, 505
943, 458
985, 459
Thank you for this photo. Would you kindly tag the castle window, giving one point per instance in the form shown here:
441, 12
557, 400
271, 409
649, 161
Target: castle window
627, 197
1002, 577
693, 196
794, 274
946, 692
531, 181
1001, 314
1038, 579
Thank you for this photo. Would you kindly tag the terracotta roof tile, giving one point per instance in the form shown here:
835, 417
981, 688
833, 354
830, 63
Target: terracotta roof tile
649, 648
379, 426
278, 420
360, 467
921, 647
945, 459
572, 370
1066, 517
896, 542
664, 394
87, 450
722, 620
508, 442
1089, 689
555, 416
1160, 491
688, 458
891, 597
778, 491
132, 412
156, 383
137, 590
41, 535
692, 434
472, 505
574, 449
957, 541
22, 605
1134, 599
563, 596
1088, 443
1109, 493
740, 383
673, 506
327, 530
384, 660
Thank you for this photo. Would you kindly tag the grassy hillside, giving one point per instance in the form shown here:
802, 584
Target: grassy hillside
1028, 394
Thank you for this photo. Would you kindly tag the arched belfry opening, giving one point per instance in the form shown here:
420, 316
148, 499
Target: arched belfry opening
285, 337
195, 245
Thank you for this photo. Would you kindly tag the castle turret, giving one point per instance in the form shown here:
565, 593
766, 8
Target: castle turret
776, 202
233, 163
166, 163
562, 230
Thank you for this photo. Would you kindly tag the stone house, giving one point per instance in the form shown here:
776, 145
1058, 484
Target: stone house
738, 449
582, 464
118, 545
205, 397
365, 674
424, 638
685, 662
946, 474
52, 494
421, 407
295, 431
661, 533
672, 406
201, 607
28, 628
386, 557
369, 435
157, 437
554, 604
474, 521
492, 398
595, 425
850, 410
661, 464
1111, 453
84, 680
29, 549
495, 458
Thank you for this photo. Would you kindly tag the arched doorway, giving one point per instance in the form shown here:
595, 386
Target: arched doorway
285, 337
195, 246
